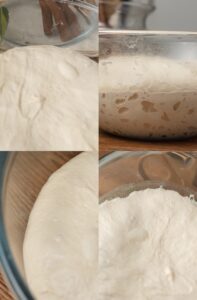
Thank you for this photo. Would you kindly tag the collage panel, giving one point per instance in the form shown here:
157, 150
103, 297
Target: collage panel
49, 224
147, 76
147, 225
48, 75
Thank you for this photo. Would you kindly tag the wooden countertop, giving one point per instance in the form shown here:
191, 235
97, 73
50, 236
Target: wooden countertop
4, 291
110, 142
25, 169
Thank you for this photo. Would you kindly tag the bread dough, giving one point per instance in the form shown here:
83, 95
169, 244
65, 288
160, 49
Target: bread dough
148, 96
48, 99
61, 240
147, 247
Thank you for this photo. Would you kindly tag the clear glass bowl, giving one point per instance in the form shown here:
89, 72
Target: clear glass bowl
22, 175
61, 23
157, 97
122, 172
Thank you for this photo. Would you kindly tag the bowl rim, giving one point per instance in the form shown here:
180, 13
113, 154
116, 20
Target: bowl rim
9, 268
103, 32
115, 155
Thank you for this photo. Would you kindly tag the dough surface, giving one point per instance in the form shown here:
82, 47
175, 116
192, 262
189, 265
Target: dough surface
147, 247
48, 99
148, 96
61, 241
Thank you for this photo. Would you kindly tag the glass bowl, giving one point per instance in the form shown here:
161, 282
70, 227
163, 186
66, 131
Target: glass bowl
122, 172
60, 23
124, 14
22, 175
148, 84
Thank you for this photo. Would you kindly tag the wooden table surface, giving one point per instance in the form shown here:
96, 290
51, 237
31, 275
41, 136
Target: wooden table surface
5, 294
25, 168
110, 142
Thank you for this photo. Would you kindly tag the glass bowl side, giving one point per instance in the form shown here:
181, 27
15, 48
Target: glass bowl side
180, 46
10, 270
28, 24
123, 172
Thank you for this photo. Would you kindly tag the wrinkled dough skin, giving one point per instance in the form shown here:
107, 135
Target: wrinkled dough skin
48, 99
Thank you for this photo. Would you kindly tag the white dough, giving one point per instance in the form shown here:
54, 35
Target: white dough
148, 96
61, 241
147, 247
48, 99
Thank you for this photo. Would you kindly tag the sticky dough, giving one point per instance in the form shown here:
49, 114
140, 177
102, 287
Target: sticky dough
148, 96
61, 240
48, 99
147, 247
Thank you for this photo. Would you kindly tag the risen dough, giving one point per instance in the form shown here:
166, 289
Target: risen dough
148, 96
60, 247
147, 247
48, 99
